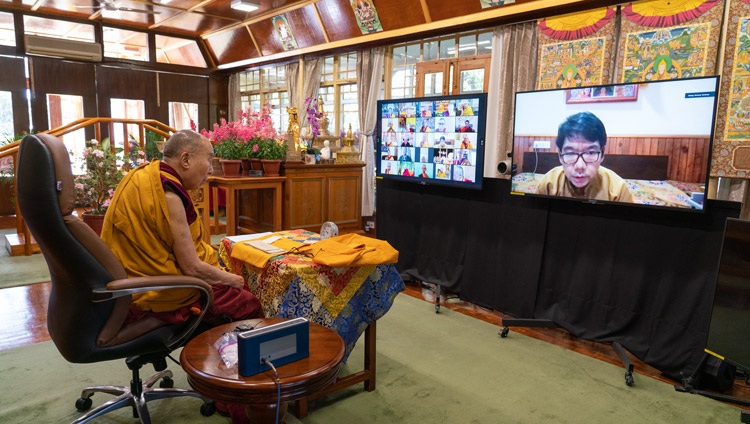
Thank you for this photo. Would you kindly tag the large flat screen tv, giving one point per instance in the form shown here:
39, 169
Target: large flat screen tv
432, 140
646, 143
729, 330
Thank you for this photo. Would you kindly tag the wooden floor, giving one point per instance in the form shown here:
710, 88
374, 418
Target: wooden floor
23, 315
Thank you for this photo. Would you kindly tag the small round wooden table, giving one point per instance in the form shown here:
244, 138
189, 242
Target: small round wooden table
207, 374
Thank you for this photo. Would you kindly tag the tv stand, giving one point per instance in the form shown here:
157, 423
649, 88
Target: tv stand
690, 383
546, 323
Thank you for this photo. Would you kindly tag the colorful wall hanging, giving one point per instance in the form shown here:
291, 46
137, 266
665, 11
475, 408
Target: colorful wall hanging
575, 49
731, 152
489, 3
366, 15
284, 32
663, 40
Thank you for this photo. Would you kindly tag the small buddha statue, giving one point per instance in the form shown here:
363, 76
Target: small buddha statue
325, 152
293, 128
323, 123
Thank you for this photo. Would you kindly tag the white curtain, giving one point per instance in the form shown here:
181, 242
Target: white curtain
369, 79
513, 68
310, 86
234, 97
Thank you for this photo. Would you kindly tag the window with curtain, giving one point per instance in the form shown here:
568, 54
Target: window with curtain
182, 114
266, 86
338, 90
61, 110
6, 115
126, 109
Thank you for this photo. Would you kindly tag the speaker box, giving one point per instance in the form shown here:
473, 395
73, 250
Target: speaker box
717, 375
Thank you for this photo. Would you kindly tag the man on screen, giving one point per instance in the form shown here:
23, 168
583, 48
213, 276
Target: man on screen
580, 142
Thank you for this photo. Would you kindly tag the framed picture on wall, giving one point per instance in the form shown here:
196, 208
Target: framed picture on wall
619, 93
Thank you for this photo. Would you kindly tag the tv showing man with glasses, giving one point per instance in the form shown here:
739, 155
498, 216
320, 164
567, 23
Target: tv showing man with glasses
580, 142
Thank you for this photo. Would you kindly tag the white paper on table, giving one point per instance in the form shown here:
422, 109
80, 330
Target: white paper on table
246, 237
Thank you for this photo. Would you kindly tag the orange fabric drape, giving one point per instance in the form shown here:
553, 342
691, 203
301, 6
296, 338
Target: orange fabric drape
659, 13
576, 25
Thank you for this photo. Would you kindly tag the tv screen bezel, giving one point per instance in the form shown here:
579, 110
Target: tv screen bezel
717, 82
481, 115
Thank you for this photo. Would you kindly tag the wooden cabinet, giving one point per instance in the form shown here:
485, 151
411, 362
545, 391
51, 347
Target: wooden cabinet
314, 194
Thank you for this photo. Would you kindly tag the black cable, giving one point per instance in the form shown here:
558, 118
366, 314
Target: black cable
278, 386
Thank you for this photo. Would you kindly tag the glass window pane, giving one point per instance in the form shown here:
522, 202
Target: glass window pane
467, 45
58, 29
7, 30
126, 109
433, 84
62, 110
447, 48
327, 73
412, 54
6, 116
181, 115
124, 44
430, 51
349, 108
179, 51
484, 43
399, 56
472, 81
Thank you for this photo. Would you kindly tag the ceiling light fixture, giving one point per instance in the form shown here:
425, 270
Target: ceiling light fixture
244, 5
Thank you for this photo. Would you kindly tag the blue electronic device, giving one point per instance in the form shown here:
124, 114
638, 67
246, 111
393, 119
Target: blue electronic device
279, 343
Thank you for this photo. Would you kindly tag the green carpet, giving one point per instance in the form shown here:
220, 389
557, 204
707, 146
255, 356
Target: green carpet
432, 368
20, 270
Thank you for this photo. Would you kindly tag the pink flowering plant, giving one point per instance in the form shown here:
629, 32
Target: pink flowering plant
103, 171
244, 137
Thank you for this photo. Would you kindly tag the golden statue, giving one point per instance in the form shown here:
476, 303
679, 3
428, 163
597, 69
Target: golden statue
293, 128
323, 124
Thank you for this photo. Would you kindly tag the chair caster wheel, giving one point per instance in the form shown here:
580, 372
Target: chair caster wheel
503, 332
166, 383
208, 409
83, 404
629, 379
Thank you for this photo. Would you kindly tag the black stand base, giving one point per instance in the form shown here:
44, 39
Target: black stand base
690, 383
545, 323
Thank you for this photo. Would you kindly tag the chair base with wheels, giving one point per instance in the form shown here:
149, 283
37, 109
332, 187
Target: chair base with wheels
138, 393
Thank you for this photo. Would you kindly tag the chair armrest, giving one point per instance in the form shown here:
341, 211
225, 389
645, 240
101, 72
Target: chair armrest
128, 286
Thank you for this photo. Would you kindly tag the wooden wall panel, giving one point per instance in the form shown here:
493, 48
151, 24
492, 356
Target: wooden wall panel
265, 35
186, 89
441, 9
55, 76
687, 155
338, 19
13, 79
395, 14
232, 46
306, 26
114, 83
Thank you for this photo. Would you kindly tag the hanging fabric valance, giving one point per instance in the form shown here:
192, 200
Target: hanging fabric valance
576, 25
659, 13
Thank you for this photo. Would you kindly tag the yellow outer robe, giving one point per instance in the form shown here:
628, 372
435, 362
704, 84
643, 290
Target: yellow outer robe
606, 186
137, 229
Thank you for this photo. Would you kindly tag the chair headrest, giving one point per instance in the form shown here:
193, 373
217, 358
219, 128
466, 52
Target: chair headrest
65, 185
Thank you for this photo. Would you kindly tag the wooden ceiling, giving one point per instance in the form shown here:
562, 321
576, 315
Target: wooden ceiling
239, 39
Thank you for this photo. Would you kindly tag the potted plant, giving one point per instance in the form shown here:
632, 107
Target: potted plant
230, 152
235, 140
252, 155
271, 153
94, 188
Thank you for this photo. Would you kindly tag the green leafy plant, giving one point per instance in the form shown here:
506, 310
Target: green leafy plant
95, 188
151, 148
272, 149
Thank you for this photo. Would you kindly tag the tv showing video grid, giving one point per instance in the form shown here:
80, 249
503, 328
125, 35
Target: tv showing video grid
434, 139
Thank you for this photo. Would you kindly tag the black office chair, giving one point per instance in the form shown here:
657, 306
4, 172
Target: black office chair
91, 293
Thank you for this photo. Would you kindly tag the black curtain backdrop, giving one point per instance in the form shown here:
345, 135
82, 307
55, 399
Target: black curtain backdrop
639, 276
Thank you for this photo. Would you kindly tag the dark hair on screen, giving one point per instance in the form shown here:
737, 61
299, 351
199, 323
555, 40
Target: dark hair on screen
585, 125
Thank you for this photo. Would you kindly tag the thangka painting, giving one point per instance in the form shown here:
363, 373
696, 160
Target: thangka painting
284, 31
668, 40
575, 49
366, 15
731, 150
490, 3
